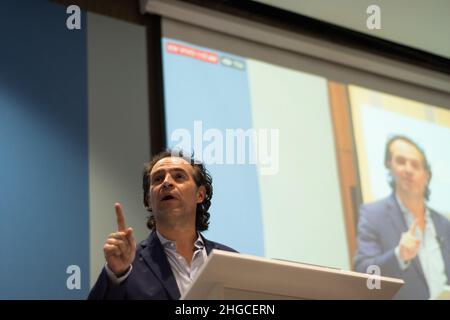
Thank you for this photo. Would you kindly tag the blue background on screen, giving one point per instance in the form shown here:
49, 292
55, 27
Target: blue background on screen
218, 96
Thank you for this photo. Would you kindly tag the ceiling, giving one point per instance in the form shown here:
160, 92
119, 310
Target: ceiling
421, 24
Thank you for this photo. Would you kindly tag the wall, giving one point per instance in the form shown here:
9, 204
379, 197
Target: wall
118, 129
73, 139
43, 152
419, 24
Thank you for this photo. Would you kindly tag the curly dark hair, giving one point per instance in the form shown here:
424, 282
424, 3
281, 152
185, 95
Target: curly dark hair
425, 163
201, 177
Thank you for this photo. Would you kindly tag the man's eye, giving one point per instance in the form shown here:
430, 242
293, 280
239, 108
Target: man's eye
179, 176
157, 179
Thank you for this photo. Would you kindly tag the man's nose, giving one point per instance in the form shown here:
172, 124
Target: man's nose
168, 182
408, 168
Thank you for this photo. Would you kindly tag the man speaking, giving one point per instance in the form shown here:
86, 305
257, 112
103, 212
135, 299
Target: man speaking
177, 193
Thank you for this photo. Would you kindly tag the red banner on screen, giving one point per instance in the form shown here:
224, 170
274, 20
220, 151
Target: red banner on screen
187, 51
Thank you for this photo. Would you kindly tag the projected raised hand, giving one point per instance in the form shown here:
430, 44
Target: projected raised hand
409, 244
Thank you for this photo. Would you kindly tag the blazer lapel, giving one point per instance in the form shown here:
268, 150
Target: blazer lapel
156, 259
396, 216
208, 244
442, 238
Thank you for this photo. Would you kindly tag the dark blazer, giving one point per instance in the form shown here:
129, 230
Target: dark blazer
151, 277
380, 227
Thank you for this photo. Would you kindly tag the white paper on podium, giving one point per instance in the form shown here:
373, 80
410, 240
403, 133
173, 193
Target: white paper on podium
229, 275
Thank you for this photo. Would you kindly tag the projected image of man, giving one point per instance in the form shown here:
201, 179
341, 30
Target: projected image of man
400, 233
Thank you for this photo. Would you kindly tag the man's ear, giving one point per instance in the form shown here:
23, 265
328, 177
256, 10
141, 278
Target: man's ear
148, 204
201, 194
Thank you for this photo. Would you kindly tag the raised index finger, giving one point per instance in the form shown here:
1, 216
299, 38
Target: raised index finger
413, 227
120, 218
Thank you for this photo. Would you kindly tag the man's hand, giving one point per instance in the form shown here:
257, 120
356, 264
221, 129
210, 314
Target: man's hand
409, 244
120, 247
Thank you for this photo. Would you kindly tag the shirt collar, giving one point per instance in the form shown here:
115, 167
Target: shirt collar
166, 243
408, 214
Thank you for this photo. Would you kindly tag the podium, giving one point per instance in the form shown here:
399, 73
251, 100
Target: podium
234, 276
